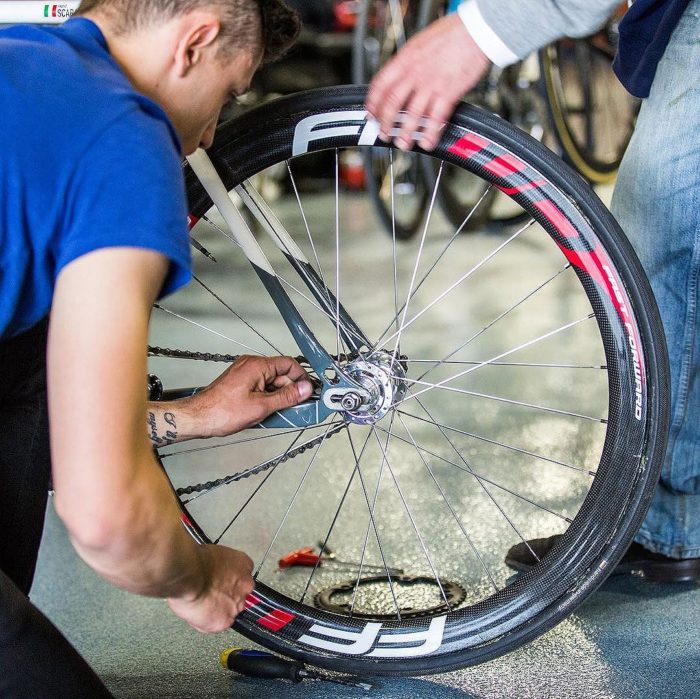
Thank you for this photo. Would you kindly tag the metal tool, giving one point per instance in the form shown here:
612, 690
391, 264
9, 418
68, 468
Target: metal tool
307, 557
255, 663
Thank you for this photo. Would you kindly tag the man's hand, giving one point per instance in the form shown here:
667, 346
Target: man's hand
246, 393
425, 80
250, 390
222, 599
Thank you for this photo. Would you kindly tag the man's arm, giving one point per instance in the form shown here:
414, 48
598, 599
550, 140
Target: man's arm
116, 503
441, 64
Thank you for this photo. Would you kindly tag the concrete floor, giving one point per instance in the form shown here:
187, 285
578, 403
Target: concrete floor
632, 639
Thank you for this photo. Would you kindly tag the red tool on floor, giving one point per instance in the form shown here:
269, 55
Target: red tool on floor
307, 557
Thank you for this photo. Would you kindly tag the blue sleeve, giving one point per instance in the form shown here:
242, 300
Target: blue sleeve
127, 190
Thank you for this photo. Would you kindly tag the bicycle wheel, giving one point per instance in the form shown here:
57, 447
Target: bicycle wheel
382, 28
592, 115
519, 403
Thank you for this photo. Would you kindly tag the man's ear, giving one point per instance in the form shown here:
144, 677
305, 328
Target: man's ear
197, 33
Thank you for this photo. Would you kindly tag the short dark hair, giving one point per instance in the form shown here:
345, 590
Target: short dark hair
271, 24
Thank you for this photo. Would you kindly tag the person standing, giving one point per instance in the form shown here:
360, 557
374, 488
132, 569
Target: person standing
656, 198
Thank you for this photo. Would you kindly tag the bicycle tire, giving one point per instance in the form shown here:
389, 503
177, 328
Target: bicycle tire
636, 378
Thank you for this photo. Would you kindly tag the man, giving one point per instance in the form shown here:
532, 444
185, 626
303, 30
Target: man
656, 200
96, 116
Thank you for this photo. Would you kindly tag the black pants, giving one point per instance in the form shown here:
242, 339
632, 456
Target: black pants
35, 659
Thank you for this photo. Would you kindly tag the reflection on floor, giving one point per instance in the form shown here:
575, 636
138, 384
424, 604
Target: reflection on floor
631, 639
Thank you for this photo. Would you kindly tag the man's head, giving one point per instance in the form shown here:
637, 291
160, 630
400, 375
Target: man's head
192, 56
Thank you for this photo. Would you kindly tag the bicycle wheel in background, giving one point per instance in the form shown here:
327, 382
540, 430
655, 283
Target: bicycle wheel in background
518, 389
592, 114
400, 196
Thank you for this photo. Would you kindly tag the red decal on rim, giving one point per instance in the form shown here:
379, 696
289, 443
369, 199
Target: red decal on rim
599, 267
252, 601
466, 146
522, 187
276, 620
555, 216
505, 165
191, 221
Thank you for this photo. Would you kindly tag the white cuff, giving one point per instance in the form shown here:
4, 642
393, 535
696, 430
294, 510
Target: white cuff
486, 39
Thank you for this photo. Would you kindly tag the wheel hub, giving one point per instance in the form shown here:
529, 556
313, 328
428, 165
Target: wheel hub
382, 376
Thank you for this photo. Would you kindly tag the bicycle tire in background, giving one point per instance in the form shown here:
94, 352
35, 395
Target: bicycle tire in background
371, 48
579, 231
591, 113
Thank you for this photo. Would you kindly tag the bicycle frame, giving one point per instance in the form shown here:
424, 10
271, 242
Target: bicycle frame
335, 382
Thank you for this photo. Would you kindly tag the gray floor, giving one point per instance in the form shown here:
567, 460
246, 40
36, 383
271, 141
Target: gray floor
631, 639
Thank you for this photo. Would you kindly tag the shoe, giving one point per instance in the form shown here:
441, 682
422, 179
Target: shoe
637, 559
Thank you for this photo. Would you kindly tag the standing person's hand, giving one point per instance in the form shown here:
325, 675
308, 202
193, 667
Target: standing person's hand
425, 80
228, 582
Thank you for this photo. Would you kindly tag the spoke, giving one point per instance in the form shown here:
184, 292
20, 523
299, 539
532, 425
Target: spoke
500, 399
532, 365
393, 238
306, 223
452, 287
419, 255
356, 471
486, 490
510, 447
205, 328
408, 512
324, 546
293, 500
337, 250
529, 343
449, 505
498, 318
487, 191
455, 235
371, 524
371, 514
243, 320
283, 280
333, 319
480, 477
245, 504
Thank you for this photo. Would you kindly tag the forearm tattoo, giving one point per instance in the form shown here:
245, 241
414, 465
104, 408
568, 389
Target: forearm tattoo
170, 431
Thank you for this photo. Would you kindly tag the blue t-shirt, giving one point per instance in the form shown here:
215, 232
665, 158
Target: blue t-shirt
86, 162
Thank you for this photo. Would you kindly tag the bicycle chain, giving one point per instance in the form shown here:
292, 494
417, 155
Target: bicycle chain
230, 358
210, 485
292, 453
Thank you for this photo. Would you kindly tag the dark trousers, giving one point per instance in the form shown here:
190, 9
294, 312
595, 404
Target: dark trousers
35, 659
